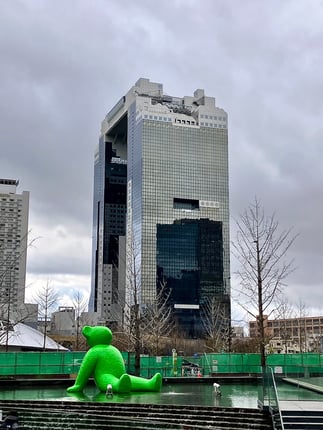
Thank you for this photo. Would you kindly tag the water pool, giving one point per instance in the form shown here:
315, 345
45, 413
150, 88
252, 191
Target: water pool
234, 395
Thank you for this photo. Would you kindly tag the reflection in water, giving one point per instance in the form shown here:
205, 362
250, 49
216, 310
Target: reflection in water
232, 395
238, 395
294, 392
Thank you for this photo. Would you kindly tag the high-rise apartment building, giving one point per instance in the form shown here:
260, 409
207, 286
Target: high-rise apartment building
161, 192
14, 210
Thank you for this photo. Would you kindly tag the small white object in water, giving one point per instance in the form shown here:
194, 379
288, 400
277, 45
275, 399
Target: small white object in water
109, 392
217, 389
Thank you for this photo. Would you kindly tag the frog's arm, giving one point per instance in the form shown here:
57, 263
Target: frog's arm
86, 370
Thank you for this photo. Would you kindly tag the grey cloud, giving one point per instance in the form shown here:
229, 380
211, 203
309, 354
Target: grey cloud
64, 65
49, 266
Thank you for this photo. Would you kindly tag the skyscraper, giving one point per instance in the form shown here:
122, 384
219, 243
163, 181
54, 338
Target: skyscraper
161, 183
14, 210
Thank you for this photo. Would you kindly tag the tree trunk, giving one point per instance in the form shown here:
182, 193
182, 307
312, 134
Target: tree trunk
137, 340
260, 311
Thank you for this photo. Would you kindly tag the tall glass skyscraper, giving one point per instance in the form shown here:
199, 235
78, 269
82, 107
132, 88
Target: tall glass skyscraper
161, 189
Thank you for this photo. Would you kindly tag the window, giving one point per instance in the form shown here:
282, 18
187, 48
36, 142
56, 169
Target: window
187, 204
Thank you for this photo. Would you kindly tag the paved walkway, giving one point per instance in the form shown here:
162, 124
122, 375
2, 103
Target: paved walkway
300, 405
304, 384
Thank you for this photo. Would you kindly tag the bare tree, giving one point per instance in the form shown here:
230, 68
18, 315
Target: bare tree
302, 313
80, 305
245, 345
10, 255
125, 314
156, 321
10, 319
216, 324
284, 311
47, 299
11, 252
139, 319
132, 302
261, 249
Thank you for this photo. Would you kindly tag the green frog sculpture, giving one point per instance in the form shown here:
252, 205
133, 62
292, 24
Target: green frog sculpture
105, 364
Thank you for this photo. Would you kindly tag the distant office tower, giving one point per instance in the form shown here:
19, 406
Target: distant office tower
14, 210
161, 187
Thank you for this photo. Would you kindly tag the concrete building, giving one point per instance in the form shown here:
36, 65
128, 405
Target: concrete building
14, 210
63, 321
237, 332
161, 201
291, 335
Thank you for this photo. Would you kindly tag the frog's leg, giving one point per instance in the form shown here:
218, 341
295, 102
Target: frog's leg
119, 385
142, 384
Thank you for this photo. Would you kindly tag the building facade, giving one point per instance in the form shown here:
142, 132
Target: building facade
63, 321
291, 335
161, 198
14, 210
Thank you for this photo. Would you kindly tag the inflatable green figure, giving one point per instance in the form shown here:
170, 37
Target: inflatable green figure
105, 363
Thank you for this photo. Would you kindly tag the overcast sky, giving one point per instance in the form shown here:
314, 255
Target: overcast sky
64, 64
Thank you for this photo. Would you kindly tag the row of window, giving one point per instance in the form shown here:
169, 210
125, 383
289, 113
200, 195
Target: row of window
184, 121
297, 322
158, 118
216, 118
294, 332
9, 209
210, 124
189, 122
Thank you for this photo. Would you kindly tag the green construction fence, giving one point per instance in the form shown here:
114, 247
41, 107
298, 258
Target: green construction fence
39, 363
305, 364
43, 364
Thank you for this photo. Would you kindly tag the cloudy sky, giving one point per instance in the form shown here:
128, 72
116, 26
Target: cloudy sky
64, 64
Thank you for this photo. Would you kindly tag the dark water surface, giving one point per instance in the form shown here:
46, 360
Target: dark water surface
235, 395
232, 395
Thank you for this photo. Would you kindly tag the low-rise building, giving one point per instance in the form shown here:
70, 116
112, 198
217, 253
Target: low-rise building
237, 332
63, 321
291, 335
